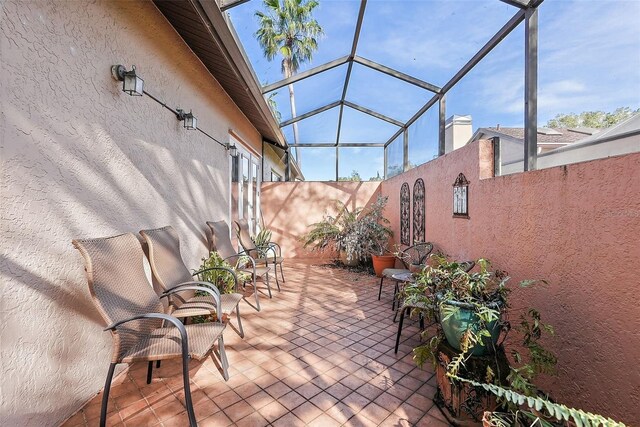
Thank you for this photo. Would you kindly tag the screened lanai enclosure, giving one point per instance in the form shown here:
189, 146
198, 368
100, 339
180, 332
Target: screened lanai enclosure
386, 76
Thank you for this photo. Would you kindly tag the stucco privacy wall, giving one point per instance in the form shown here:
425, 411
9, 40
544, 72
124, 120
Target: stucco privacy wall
578, 227
82, 159
288, 207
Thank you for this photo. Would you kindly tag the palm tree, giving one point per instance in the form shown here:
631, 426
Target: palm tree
287, 28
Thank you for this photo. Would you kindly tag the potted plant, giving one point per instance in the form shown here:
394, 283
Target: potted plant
470, 310
353, 234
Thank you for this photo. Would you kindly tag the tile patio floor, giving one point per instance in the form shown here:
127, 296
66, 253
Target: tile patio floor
320, 353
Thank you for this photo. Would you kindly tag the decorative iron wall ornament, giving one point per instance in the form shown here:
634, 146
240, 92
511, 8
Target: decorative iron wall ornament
418, 211
405, 215
461, 197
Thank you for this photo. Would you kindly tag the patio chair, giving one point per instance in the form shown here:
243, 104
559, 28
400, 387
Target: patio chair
270, 254
406, 307
169, 271
135, 314
220, 241
414, 256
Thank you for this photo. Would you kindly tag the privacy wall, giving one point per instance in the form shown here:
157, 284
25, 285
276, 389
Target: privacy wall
289, 207
577, 226
82, 159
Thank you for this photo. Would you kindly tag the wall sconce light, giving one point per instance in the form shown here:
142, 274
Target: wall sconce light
190, 121
461, 197
233, 150
132, 83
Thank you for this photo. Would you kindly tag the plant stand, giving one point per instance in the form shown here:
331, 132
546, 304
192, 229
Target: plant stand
461, 403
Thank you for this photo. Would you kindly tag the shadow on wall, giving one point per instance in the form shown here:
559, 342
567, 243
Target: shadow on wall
289, 207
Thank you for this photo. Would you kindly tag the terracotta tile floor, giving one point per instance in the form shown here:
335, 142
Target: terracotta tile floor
320, 353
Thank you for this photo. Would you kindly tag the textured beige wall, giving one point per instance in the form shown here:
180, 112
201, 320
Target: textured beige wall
578, 226
288, 207
82, 159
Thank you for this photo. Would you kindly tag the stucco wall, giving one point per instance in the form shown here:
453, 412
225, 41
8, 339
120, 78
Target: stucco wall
288, 207
82, 159
577, 226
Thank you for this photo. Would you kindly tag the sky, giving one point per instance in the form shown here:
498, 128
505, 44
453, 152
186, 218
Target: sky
589, 59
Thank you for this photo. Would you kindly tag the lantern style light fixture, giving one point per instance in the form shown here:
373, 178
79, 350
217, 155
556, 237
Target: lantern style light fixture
461, 197
233, 150
131, 82
190, 121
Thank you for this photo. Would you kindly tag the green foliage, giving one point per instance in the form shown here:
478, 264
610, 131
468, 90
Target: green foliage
262, 238
592, 119
273, 106
553, 410
486, 293
358, 232
223, 280
355, 176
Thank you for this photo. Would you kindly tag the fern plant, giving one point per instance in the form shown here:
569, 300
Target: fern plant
553, 410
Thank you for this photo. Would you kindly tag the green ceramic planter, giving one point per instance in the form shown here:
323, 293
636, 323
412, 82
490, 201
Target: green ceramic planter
458, 323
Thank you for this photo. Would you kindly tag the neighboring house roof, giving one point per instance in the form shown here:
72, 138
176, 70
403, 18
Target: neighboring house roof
546, 136
625, 128
202, 26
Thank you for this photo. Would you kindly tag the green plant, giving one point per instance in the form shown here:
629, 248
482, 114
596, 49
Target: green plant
445, 288
223, 280
358, 232
554, 410
262, 238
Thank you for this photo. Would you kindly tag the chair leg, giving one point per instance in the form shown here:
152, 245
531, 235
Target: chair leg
268, 284
275, 273
380, 291
282, 273
396, 289
105, 395
239, 321
187, 389
255, 291
400, 328
421, 321
150, 371
223, 358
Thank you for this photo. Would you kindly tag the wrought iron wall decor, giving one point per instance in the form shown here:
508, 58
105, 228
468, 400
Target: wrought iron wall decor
461, 197
405, 214
418, 211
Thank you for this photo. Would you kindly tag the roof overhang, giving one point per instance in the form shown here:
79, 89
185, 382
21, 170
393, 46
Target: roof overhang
204, 29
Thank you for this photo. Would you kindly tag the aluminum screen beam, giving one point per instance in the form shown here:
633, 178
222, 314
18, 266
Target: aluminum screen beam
305, 74
309, 114
442, 114
488, 47
397, 74
373, 113
515, 3
531, 90
343, 145
352, 54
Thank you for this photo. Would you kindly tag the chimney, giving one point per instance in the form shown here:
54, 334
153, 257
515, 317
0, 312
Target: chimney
457, 132
498, 126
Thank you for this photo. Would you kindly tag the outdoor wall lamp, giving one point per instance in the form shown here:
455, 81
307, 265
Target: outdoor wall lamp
132, 83
233, 150
190, 121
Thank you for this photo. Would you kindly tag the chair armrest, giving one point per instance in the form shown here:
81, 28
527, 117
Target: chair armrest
264, 250
193, 286
178, 324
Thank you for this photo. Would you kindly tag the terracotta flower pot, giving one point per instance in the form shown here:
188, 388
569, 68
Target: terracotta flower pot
380, 262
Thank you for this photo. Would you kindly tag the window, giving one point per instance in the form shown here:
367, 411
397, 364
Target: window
461, 197
275, 176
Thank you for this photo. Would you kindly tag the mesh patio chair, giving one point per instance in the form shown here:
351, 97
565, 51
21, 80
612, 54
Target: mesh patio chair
220, 240
135, 314
406, 307
169, 271
414, 256
270, 254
